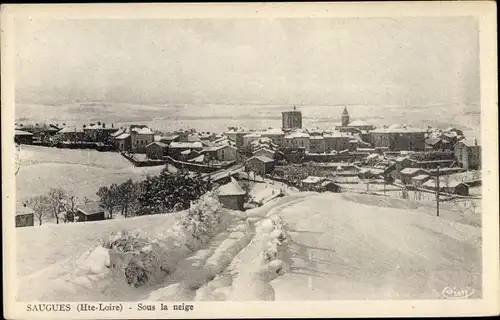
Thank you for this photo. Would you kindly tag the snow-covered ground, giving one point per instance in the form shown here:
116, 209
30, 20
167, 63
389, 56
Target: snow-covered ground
340, 246
80, 171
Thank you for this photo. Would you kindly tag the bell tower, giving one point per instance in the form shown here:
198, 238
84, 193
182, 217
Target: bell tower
345, 117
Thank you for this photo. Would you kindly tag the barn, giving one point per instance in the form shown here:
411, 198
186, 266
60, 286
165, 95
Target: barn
261, 165
231, 195
91, 211
24, 216
156, 150
23, 137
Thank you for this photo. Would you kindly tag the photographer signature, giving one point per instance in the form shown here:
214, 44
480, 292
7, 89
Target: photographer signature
457, 294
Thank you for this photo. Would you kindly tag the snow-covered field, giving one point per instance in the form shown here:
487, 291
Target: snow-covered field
80, 171
341, 246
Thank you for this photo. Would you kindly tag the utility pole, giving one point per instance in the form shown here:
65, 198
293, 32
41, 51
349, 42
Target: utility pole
437, 192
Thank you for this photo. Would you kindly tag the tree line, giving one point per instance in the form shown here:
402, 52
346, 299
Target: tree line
166, 192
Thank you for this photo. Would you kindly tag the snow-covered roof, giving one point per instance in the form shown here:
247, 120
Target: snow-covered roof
169, 137
22, 133
264, 149
337, 134
21, 209
273, 131
90, 208
122, 136
410, 170
186, 145
297, 134
398, 128
231, 189
71, 130
161, 144
421, 177
313, 179
141, 129
119, 132
198, 159
252, 135
317, 138
358, 123
262, 158
399, 159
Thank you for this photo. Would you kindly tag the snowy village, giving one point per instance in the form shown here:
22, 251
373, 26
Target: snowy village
254, 160
227, 189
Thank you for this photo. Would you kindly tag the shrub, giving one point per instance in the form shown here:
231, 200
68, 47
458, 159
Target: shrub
203, 219
140, 259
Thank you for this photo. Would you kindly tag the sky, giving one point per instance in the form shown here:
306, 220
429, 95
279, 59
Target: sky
305, 61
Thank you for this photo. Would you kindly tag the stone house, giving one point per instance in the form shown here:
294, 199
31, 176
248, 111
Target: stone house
156, 150
468, 154
231, 195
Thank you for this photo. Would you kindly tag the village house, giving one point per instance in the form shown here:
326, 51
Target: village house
167, 139
263, 142
24, 216
91, 211
451, 187
265, 152
231, 195
418, 181
23, 137
316, 144
140, 137
249, 138
276, 135
468, 154
156, 150
297, 140
123, 142
178, 150
236, 135
312, 183
261, 165
407, 174
398, 137
337, 141
329, 186
72, 134
98, 132
221, 153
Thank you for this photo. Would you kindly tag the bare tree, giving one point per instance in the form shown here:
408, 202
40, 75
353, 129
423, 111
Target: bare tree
40, 206
56, 197
69, 204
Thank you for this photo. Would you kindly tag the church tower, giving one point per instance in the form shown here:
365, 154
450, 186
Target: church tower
345, 117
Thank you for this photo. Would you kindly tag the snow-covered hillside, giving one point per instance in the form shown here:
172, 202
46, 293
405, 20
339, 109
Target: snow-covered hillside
329, 247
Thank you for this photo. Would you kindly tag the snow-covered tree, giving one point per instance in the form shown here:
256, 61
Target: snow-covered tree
41, 206
56, 202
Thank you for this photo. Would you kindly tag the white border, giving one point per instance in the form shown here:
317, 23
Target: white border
484, 10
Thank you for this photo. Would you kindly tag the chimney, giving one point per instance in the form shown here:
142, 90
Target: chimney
475, 142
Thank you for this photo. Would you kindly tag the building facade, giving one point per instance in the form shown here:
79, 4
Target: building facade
468, 154
316, 144
156, 150
140, 137
261, 165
